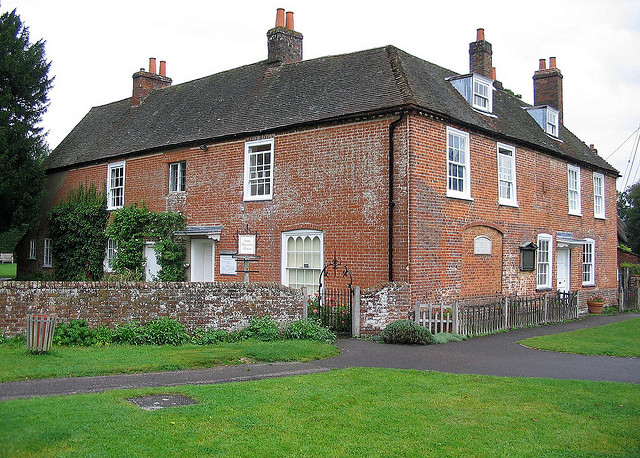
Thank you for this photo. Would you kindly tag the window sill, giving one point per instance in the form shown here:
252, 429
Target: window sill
257, 199
460, 197
600, 218
588, 285
575, 214
508, 203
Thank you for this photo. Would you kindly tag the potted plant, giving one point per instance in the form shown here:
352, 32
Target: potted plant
595, 304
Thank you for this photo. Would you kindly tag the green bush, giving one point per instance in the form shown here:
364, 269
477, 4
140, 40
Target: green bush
209, 336
102, 335
265, 329
131, 333
310, 329
165, 331
406, 332
444, 337
73, 333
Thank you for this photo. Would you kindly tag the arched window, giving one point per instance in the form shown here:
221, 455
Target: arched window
302, 258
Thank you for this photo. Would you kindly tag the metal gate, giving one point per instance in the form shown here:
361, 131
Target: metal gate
335, 302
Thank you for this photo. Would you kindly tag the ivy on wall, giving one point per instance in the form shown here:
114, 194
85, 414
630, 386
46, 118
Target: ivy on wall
131, 226
76, 228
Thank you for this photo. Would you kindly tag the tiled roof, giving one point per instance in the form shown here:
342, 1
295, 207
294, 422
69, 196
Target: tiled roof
263, 98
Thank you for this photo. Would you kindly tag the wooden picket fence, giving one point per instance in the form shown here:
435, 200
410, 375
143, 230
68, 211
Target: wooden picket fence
495, 314
628, 300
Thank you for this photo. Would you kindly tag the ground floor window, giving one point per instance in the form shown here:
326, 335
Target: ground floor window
32, 249
48, 254
302, 258
544, 261
588, 263
110, 255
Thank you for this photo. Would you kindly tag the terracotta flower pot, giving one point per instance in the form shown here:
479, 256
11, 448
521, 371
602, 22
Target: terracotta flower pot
595, 308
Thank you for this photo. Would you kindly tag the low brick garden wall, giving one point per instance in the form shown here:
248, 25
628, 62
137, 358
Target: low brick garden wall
225, 306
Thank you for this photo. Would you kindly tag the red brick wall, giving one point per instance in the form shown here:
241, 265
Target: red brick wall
221, 306
437, 250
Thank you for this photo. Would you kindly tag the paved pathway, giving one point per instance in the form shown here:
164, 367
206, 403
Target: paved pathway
497, 354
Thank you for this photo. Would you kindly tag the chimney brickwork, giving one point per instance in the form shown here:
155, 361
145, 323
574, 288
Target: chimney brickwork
284, 44
480, 56
144, 82
547, 86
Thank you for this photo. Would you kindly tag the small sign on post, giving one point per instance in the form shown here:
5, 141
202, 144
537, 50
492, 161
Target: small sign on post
247, 251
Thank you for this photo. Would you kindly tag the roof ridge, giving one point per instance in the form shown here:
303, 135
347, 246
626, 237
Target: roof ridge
399, 74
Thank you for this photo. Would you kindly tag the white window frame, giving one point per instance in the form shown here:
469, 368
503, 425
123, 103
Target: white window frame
589, 263
552, 124
573, 190
598, 195
48, 253
465, 166
545, 262
177, 179
502, 150
112, 204
253, 175
285, 268
110, 255
484, 95
32, 249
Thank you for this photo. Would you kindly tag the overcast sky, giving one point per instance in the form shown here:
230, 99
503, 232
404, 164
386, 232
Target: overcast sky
95, 47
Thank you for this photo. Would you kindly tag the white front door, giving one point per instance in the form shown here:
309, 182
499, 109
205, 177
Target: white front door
152, 267
202, 260
564, 270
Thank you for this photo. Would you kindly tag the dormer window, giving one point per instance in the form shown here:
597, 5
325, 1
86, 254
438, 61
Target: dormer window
476, 89
547, 118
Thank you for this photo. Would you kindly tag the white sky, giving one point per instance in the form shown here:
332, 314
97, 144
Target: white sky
95, 47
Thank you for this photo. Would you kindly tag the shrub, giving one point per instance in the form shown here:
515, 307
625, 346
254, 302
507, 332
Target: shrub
444, 337
75, 332
209, 336
310, 329
406, 332
128, 333
102, 335
165, 331
265, 329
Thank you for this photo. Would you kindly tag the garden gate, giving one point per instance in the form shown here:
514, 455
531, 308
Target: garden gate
335, 302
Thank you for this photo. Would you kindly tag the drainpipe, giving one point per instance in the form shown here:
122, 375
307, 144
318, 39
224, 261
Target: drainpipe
392, 128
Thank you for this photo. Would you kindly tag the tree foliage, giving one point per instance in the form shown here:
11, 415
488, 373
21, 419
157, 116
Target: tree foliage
77, 229
24, 84
629, 211
131, 226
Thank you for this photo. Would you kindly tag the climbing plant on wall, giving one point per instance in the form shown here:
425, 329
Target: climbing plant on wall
76, 228
131, 226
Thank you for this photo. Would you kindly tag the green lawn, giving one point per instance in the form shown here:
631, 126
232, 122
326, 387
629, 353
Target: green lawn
352, 412
8, 270
18, 364
614, 339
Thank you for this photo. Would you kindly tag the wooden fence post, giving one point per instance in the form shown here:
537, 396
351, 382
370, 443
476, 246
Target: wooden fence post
305, 302
355, 312
416, 313
456, 322
505, 314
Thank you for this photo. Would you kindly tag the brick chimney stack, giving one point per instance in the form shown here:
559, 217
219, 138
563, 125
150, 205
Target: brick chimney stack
547, 85
284, 44
144, 82
480, 54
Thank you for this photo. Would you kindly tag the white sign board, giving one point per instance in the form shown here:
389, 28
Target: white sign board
227, 264
482, 245
247, 244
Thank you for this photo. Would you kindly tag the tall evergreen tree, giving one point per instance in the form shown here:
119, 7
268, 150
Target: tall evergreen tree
629, 211
24, 84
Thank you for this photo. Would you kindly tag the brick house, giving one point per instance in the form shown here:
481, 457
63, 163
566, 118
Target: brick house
407, 171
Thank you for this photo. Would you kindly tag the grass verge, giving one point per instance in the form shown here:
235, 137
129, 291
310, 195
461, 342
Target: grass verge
8, 270
614, 339
362, 412
61, 361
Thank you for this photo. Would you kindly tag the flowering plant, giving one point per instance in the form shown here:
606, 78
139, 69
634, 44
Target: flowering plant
595, 298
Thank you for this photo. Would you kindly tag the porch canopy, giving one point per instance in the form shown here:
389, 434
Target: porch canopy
211, 232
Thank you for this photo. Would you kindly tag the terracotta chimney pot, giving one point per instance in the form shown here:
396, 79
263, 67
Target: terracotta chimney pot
289, 24
163, 68
542, 64
152, 64
480, 35
552, 62
280, 17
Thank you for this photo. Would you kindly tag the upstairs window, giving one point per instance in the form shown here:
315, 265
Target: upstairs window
258, 170
547, 118
598, 195
458, 164
115, 185
507, 175
543, 278
573, 185
177, 176
552, 122
588, 263
476, 89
